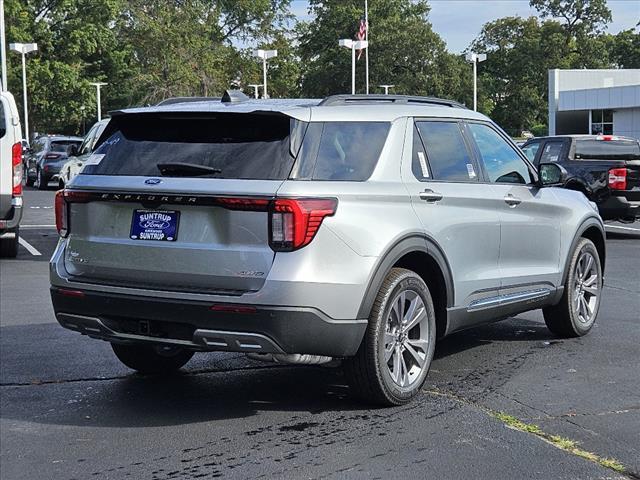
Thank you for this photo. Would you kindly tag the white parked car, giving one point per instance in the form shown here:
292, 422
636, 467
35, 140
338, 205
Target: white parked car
10, 175
77, 159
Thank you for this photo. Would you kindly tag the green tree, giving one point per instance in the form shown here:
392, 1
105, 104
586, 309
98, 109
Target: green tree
185, 47
283, 70
145, 50
520, 52
624, 48
583, 23
581, 17
403, 50
514, 77
76, 45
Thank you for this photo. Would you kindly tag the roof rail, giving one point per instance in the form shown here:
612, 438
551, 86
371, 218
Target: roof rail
334, 100
173, 100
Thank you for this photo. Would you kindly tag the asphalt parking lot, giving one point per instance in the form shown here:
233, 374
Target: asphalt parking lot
503, 401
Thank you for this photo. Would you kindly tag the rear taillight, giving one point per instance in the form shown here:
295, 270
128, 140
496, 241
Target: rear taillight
293, 222
62, 215
16, 162
62, 201
618, 178
242, 203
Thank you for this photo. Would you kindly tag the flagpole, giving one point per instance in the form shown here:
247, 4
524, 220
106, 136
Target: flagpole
366, 37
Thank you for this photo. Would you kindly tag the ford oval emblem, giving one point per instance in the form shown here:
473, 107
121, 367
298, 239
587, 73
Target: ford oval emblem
152, 181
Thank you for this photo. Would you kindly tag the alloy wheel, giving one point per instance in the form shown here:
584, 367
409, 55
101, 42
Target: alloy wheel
406, 338
586, 286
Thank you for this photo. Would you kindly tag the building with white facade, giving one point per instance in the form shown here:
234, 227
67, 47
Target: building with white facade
594, 102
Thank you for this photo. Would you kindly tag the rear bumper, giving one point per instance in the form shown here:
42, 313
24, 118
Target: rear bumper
619, 207
14, 216
194, 325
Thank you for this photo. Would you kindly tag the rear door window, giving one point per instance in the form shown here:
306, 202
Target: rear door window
340, 151
551, 152
501, 161
446, 153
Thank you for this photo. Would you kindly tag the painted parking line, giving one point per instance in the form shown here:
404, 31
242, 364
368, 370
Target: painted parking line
623, 228
30, 248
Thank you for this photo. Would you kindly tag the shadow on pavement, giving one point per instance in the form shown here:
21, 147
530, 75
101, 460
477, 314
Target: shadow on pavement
510, 330
133, 400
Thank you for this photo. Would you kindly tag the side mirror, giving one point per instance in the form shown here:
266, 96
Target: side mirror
551, 175
73, 151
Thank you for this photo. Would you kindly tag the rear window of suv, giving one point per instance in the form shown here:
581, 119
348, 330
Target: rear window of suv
250, 146
240, 146
63, 145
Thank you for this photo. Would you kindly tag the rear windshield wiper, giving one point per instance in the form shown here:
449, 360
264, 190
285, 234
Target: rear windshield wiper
182, 169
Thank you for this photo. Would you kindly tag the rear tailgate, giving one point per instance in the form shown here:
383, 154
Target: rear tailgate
617, 151
132, 226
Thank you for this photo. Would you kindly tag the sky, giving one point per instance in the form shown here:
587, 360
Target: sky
459, 22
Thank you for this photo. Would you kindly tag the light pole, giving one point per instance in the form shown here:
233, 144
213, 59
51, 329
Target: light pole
3, 49
353, 45
265, 55
255, 86
82, 109
98, 85
23, 49
386, 88
475, 58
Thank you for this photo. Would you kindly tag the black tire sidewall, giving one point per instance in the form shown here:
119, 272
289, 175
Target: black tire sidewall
407, 281
9, 246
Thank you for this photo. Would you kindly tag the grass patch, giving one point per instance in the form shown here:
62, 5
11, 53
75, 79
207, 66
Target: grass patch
562, 443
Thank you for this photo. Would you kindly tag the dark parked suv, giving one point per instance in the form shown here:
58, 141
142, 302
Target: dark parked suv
606, 168
46, 157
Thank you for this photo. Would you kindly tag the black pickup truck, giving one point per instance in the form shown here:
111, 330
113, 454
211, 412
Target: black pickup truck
606, 168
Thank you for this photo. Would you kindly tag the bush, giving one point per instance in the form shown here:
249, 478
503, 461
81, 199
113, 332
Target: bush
539, 130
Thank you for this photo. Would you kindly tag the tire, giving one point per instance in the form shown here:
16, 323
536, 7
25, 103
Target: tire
60, 184
152, 360
9, 246
576, 312
376, 373
28, 181
41, 181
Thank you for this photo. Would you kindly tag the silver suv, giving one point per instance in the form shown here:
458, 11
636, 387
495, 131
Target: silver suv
361, 228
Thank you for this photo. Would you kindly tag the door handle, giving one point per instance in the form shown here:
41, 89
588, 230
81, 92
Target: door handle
430, 196
511, 200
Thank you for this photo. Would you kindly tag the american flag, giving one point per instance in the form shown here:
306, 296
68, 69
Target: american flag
362, 33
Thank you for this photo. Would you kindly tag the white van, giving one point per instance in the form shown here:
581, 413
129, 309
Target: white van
10, 175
